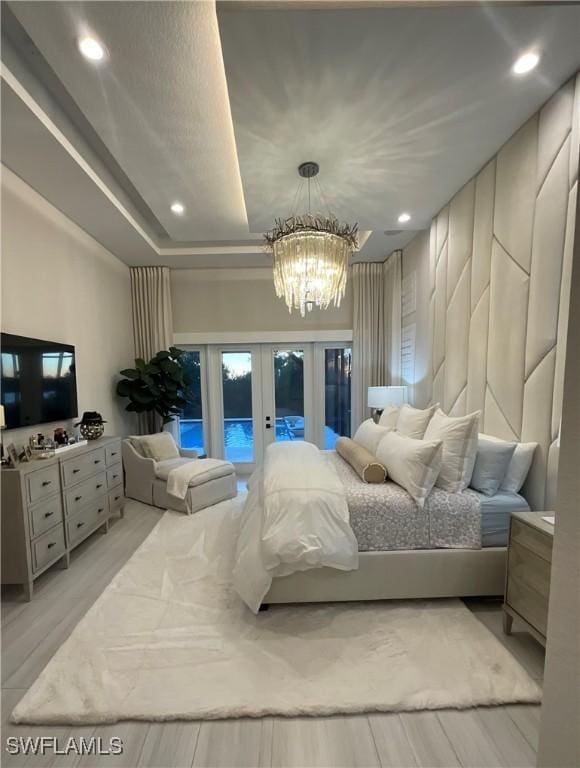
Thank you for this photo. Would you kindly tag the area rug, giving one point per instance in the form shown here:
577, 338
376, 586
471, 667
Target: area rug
170, 639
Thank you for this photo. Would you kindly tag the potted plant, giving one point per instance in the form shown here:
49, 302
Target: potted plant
158, 389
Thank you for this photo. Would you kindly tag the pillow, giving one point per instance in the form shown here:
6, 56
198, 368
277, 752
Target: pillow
491, 464
159, 447
389, 417
362, 461
459, 436
413, 464
519, 465
412, 422
369, 435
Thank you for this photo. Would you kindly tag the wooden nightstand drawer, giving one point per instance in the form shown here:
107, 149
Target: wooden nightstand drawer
532, 539
113, 454
529, 604
77, 469
115, 476
530, 569
79, 526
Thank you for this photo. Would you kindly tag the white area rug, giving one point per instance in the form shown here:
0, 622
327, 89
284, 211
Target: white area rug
169, 639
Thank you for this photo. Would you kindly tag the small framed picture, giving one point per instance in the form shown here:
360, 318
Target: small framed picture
12, 455
28, 451
22, 456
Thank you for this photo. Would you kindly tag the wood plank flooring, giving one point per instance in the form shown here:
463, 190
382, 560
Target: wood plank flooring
32, 632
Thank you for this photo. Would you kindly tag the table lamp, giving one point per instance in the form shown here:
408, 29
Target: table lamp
378, 398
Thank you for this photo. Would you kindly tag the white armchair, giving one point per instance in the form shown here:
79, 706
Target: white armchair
146, 478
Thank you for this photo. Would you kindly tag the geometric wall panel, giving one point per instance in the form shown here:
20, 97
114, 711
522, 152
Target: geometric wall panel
500, 260
554, 125
482, 231
547, 253
508, 307
515, 193
460, 236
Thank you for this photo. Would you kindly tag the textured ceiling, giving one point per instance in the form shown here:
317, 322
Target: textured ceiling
400, 106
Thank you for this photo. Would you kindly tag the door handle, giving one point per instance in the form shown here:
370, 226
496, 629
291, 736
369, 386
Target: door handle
268, 426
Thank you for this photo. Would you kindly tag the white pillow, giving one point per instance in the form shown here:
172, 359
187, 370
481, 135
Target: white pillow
369, 435
491, 464
413, 464
159, 447
412, 422
459, 435
389, 417
519, 465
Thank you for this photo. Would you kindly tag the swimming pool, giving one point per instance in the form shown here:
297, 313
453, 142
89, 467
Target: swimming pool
239, 436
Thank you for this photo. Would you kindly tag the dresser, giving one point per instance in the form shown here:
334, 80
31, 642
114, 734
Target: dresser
528, 572
49, 506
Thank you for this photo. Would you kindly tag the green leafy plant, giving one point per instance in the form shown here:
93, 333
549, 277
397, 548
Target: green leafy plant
157, 387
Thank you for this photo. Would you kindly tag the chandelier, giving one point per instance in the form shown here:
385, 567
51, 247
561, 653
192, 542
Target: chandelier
311, 254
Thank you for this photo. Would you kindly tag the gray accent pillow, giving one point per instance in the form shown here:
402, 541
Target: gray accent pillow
491, 464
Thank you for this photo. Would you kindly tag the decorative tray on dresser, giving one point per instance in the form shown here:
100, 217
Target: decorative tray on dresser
527, 591
49, 506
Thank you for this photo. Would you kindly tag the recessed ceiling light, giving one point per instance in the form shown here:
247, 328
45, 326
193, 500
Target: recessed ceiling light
91, 49
178, 208
404, 218
526, 63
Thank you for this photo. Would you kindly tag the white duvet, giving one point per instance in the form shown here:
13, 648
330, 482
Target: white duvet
295, 518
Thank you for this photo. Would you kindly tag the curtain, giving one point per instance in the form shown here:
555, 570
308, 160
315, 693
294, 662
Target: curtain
392, 299
152, 321
368, 335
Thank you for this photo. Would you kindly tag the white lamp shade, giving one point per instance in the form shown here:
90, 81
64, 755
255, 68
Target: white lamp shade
2, 422
381, 397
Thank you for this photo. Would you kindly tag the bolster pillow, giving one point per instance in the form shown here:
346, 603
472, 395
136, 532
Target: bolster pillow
367, 467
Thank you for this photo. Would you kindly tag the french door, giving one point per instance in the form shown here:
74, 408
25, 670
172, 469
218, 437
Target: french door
252, 395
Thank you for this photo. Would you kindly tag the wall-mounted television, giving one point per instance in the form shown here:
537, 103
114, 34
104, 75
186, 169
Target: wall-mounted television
38, 381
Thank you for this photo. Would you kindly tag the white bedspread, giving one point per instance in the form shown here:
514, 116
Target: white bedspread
295, 518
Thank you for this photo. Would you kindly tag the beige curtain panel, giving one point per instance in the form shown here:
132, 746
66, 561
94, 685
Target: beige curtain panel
368, 335
152, 321
392, 299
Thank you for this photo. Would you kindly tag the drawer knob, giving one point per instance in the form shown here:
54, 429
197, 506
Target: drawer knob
99, 485
102, 509
117, 498
80, 525
115, 477
97, 461
114, 453
48, 514
78, 498
46, 482
75, 471
51, 545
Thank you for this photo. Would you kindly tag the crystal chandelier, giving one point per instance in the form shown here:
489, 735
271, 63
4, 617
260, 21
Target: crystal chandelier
311, 255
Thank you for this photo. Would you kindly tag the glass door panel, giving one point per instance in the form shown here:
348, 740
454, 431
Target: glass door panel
337, 392
289, 394
191, 427
238, 424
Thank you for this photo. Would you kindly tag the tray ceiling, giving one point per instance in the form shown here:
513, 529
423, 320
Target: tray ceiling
399, 106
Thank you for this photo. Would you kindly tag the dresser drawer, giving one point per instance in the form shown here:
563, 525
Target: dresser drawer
48, 547
113, 454
87, 520
42, 484
83, 493
45, 515
531, 605
116, 499
75, 470
536, 541
115, 476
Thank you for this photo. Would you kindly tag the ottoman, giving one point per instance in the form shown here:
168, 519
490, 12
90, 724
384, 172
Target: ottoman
200, 494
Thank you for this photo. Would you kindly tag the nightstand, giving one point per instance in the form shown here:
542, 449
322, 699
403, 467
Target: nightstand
528, 573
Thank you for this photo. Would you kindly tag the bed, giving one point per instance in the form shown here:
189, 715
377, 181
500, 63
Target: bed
454, 547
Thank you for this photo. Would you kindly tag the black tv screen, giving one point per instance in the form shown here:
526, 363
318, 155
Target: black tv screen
38, 381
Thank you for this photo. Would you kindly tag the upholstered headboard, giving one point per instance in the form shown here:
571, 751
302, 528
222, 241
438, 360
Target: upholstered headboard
497, 287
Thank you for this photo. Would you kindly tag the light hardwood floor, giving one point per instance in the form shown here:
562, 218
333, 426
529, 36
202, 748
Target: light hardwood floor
32, 632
